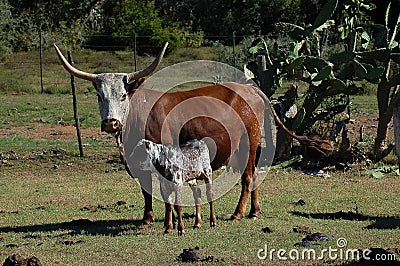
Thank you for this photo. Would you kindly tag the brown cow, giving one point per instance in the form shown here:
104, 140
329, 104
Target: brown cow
231, 114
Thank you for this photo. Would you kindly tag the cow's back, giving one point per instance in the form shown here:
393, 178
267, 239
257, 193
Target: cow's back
224, 113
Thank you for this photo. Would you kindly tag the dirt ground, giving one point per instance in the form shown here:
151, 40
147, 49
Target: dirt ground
58, 132
41, 131
370, 125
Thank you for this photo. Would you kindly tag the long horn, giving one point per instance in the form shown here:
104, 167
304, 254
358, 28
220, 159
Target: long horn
73, 71
148, 70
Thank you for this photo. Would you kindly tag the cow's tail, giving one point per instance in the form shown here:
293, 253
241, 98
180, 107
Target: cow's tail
313, 142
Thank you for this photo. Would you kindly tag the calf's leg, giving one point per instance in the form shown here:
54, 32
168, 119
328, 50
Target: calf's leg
210, 199
197, 201
178, 209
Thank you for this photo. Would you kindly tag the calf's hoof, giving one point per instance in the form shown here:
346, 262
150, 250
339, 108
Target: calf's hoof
213, 224
181, 233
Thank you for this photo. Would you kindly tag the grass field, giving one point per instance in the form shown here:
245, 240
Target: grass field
67, 210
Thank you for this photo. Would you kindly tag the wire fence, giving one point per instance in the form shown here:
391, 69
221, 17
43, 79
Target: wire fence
109, 42
42, 71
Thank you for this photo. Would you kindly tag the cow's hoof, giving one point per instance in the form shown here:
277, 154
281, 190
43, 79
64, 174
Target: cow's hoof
253, 217
196, 227
148, 218
181, 233
236, 218
213, 225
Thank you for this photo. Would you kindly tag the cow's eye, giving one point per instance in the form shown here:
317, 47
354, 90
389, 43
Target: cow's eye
123, 98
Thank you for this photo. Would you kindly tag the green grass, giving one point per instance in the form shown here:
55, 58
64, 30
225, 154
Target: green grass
50, 109
364, 103
45, 186
38, 201
43, 191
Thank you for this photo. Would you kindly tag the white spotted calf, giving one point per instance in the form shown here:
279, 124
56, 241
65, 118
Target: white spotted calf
174, 166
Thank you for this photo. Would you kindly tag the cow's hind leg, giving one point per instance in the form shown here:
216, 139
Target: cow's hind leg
255, 205
244, 197
197, 201
247, 153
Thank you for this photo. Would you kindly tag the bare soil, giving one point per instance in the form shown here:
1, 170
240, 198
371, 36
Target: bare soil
65, 132
58, 132
369, 123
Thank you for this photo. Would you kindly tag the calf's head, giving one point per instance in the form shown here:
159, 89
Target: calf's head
113, 90
143, 154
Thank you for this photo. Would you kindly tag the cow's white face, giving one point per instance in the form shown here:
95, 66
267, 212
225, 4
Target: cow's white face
113, 90
112, 93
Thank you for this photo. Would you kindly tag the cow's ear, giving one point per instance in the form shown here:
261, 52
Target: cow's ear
136, 84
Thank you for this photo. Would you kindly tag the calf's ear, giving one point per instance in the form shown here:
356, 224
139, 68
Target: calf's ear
147, 144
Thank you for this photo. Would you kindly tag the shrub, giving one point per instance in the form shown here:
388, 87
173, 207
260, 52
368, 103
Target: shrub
7, 30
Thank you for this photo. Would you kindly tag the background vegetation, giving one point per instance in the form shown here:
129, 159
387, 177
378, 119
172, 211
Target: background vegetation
182, 23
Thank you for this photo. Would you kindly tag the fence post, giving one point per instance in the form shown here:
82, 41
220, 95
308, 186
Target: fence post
41, 60
134, 51
323, 41
234, 49
75, 107
262, 67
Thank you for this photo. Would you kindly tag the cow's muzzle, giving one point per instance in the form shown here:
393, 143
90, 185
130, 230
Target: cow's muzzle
111, 126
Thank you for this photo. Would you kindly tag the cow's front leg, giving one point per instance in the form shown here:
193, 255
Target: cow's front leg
145, 182
166, 193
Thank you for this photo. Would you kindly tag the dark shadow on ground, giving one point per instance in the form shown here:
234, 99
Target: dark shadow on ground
80, 227
379, 222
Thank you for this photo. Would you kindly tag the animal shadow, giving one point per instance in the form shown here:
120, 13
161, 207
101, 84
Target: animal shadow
378, 222
80, 226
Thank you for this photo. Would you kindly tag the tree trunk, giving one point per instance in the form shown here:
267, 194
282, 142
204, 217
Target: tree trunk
385, 115
396, 125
